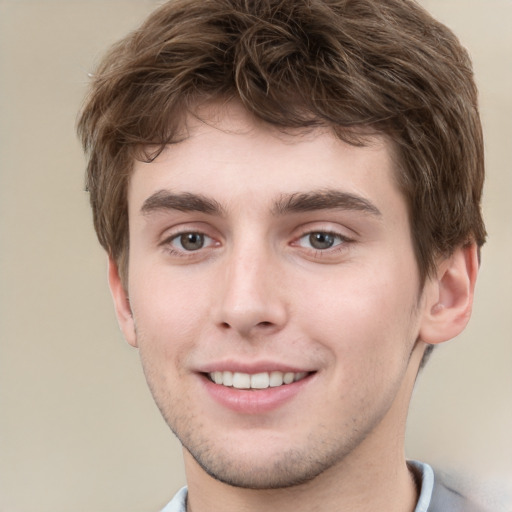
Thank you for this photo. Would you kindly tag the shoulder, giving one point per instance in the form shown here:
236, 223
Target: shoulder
447, 498
443, 492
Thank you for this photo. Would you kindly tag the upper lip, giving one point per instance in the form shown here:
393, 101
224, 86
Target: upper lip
252, 367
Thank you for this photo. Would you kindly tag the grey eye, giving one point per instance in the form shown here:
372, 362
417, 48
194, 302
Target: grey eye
191, 241
320, 240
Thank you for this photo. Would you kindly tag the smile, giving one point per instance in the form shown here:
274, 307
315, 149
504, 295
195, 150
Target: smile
261, 380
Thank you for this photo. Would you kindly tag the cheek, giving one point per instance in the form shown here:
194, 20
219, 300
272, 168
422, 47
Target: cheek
363, 315
168, 316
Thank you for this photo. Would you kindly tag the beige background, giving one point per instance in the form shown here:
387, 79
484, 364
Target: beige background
78, 429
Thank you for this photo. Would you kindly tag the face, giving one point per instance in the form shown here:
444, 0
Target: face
274, 297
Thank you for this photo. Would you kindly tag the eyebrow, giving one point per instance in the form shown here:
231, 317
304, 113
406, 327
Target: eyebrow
324, 200
288, 203
184, 202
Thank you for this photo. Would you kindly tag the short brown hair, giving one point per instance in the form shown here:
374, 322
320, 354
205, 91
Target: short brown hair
384, 65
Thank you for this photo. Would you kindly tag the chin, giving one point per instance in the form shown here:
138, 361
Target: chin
287, 469
288, 472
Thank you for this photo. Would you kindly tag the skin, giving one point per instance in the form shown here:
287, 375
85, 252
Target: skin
245, 280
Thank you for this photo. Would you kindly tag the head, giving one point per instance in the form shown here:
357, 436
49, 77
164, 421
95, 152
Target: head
357, 67
382, 78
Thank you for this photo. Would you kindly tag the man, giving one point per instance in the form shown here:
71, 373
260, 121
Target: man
289, 195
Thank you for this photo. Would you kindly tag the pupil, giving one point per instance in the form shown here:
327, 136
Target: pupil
192, 241
321, 240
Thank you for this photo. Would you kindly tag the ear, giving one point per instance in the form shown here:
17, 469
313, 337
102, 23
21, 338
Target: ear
449, 296
121, 303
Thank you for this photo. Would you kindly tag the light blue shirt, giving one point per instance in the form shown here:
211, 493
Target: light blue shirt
179, 502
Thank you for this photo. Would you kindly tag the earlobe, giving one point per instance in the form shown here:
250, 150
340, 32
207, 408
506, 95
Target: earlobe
121, 303
449, 296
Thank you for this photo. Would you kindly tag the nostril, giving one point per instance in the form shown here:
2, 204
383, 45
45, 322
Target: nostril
265, 324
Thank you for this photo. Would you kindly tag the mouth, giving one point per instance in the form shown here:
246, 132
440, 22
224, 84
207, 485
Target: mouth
262, 380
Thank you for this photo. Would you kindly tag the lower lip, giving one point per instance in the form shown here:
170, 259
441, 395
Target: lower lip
256, 401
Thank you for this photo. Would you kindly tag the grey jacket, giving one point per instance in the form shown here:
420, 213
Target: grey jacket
447, 499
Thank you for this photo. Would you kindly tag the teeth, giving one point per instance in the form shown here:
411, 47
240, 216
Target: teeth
276, 379
227, 379
240, 380
262, 380
288, 377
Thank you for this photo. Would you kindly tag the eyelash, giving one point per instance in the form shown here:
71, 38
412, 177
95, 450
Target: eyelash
183, 253
342, 240
341, 245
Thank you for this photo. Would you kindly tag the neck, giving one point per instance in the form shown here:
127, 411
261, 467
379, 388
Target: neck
375, 487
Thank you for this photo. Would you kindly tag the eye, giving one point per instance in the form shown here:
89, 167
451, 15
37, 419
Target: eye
321, 240
190, 241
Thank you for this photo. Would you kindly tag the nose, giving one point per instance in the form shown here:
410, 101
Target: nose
252, 301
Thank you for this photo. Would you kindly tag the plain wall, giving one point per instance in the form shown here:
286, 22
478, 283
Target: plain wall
78, 429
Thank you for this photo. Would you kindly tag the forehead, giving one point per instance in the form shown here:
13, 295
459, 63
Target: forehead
225, 152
